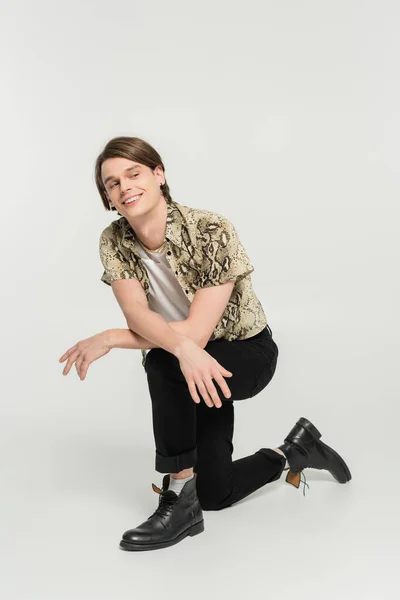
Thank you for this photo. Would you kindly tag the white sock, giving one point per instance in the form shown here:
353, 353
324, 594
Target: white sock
176, 485
286, 463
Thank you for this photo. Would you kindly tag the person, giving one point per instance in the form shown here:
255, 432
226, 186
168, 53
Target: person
182, 278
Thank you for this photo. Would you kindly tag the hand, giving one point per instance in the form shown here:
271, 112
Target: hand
85, 352
198, 368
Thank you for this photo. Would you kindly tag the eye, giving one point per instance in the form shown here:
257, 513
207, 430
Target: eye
134, 175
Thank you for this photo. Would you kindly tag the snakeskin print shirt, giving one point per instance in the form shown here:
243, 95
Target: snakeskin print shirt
203, 249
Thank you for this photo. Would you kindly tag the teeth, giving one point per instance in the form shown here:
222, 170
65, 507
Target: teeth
133, 199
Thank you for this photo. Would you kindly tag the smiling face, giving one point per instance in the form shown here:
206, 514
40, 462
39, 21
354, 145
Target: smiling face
125, 179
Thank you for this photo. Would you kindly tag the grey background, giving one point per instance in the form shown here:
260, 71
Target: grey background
284, 117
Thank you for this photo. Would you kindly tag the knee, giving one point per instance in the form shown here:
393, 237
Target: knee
211, 498
160, 361
212, 503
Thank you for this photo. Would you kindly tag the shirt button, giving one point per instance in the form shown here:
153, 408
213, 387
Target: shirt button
187, 291
169, 252
176, 272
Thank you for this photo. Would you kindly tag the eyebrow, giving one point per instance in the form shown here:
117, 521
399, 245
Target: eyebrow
125, 171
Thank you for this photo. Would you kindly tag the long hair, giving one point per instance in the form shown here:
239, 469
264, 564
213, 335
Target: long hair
134, 149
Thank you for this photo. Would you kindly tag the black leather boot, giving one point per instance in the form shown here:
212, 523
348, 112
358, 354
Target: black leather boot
304, 449
175, 517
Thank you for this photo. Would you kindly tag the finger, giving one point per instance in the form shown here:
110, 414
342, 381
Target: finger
78, 366
193, 391
225, 371
223, 385
70, 362
67, 353
213, 393
64, 356
203, 392
84, 369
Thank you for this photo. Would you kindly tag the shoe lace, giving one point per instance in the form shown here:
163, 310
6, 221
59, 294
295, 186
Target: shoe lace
164, 507
304, 482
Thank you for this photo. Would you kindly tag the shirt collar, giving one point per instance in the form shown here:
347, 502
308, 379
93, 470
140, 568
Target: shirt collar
173, 230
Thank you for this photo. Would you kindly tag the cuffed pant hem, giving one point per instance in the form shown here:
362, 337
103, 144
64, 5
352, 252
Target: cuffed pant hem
275, 457
174, 464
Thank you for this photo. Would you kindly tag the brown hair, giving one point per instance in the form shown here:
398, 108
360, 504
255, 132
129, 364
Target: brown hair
134, 149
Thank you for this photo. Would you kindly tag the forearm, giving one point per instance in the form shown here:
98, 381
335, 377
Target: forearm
128, 339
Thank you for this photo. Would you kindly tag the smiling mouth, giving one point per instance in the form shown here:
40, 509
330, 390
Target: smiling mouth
133, 200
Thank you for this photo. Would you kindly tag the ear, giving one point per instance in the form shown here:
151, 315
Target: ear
159, 171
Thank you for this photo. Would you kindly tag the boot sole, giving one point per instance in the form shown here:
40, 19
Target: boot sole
193, 530
316, 435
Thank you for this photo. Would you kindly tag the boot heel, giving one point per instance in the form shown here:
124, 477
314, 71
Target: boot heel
198, 528
293, 478
309, 427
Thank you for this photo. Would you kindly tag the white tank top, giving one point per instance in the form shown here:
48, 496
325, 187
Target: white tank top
166, 296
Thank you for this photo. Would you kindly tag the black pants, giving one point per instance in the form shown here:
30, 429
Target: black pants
188, 434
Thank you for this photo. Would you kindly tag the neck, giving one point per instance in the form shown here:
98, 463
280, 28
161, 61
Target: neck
150, 228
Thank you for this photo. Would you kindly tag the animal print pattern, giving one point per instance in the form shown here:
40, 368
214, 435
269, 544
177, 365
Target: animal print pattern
203, 249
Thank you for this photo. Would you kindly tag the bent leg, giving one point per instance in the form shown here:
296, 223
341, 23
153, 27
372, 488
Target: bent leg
220, 481
188, 434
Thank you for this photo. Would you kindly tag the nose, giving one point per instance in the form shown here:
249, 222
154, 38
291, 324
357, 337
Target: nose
124, 185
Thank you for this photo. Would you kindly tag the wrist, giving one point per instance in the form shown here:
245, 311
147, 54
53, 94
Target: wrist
181, 345
109, 338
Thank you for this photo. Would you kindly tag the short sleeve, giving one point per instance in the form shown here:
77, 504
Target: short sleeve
224, 257
115, 265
